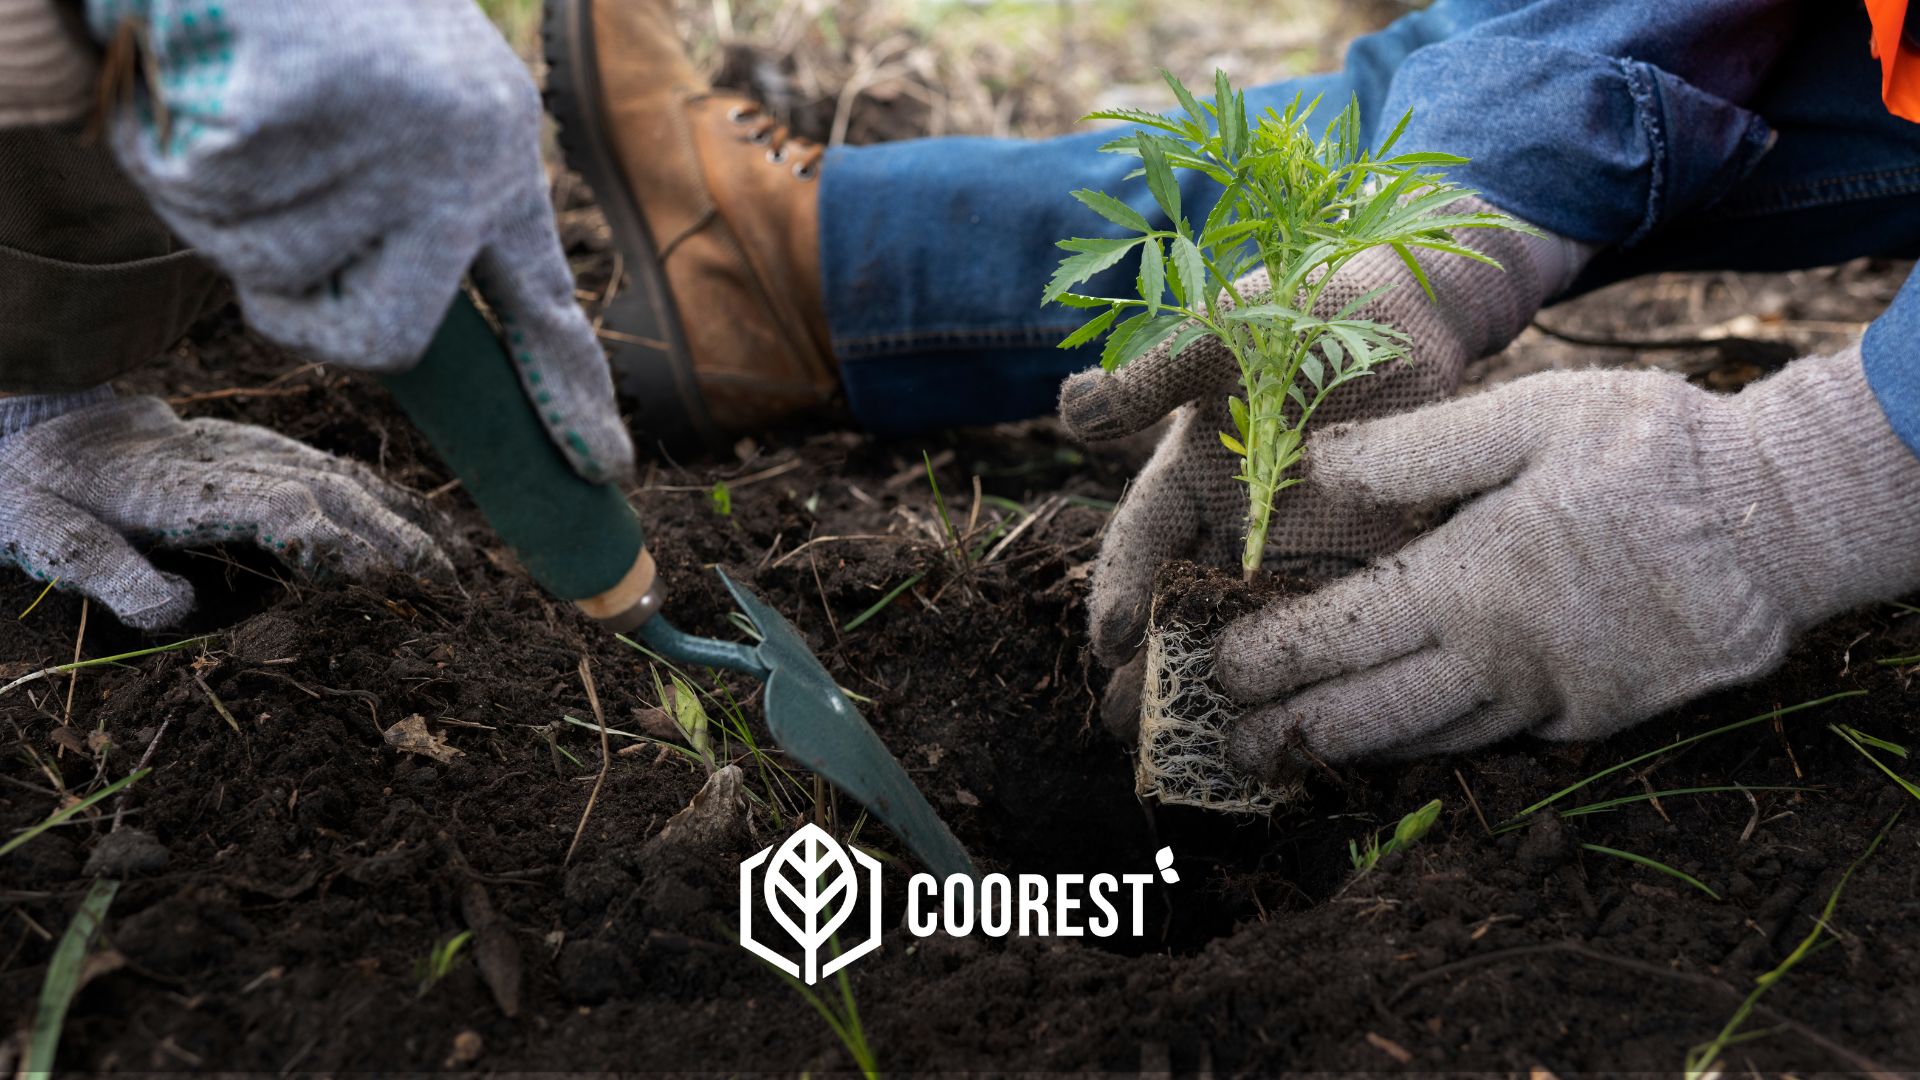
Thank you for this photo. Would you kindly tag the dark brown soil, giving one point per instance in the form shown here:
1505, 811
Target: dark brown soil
311, 866
1204, 598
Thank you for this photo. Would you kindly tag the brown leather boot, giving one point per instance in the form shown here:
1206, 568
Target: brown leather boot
715, 208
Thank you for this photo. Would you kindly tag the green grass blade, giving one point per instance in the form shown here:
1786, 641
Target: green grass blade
37, 599
1702, 1058
1648, 796
854, 623
1654, 864
1878, 743
63, 977
62, 669
1688, 741
59, 816
1877, 763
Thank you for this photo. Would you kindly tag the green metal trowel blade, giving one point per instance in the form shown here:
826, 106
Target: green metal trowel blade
815, 723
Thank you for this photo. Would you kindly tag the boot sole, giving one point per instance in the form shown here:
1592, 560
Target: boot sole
651, 362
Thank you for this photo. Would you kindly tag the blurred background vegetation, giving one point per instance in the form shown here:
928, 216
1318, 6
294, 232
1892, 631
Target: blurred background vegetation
870, 70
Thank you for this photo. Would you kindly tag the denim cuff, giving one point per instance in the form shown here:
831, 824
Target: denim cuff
1890, 353
1593, 147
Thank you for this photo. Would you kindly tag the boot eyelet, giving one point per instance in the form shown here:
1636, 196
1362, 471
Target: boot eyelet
738, 114
761, 137
777, 157
804, 171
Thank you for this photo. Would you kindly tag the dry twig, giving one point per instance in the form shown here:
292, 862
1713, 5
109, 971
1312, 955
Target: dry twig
606, 758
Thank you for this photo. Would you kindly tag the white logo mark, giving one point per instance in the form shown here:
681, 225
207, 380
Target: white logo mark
811, 889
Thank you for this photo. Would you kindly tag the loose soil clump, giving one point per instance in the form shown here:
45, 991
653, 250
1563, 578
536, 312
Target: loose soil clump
1182, 759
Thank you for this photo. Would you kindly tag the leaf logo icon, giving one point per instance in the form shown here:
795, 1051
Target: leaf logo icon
1163, 859
810, 890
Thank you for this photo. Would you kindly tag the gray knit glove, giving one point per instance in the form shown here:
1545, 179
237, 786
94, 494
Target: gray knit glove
347, 162
1629, 542
78, 491
1186, 504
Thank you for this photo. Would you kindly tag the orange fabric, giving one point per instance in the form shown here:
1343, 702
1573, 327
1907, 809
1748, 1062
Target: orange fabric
1899, 62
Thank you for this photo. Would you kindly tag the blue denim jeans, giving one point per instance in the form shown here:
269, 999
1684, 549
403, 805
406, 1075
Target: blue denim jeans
1714, 134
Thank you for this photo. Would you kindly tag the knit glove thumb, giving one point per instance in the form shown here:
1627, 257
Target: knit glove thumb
1186, 502
348, 163
1629, 542
79, 491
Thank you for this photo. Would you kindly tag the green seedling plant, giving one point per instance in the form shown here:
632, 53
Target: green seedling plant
440, 962
1299, 205
1408, 832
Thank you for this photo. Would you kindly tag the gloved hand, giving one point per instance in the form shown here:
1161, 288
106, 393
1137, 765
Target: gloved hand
1630, 542
1186, 504
346, 163
78, 489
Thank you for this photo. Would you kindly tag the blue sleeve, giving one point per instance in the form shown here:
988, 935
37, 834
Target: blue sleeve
1893, 371
1598, 121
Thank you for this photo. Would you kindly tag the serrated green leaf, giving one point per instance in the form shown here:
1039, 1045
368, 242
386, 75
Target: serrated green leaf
1393, 136
1228, 234
1154, 331
1184, 97
1413, 267
1097, 243
1278, 316
1190, 272
1313, 369
1113, 210
1142, 117
1116, 341
1153, 276
1188, 335
1364, 299
1422, 159
1075, 300
1222, 211
1336, 356
1092, 329
1080, 267
1160, 181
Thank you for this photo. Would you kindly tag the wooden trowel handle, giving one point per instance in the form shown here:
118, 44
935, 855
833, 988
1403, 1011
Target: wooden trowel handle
578, 539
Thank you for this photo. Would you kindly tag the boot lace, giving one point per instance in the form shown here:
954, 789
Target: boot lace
783, 146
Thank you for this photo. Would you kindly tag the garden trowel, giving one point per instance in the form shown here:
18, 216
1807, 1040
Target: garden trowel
582, 542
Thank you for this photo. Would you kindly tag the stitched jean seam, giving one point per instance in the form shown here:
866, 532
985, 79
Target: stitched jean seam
960, 339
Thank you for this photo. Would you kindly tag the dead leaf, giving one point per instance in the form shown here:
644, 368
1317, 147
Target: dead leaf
411, 736
965, 797
68, 739
657, 723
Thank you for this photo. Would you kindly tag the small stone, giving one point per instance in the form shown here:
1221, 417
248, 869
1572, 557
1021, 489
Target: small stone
467, 1047
1546, 847
127, 852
